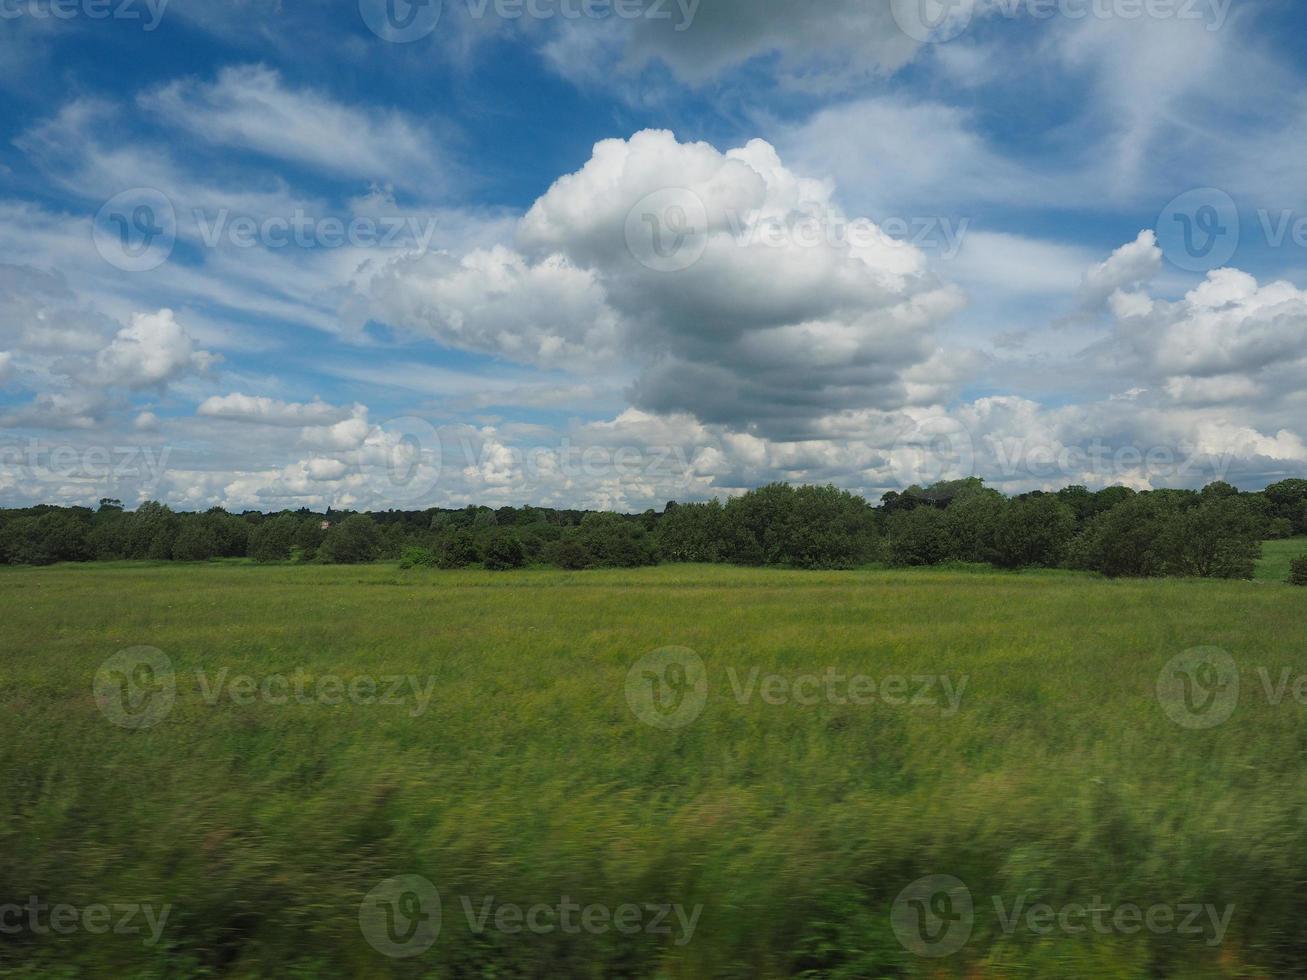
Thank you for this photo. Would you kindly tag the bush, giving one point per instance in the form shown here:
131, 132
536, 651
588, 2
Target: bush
1033, 532
503, 551
614, 541
418, 558
918, 537
270, 539
569, 553
458, 550
1298, 571
195, 542
351, 542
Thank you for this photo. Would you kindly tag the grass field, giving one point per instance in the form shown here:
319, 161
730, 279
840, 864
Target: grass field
1276, 555
535, 759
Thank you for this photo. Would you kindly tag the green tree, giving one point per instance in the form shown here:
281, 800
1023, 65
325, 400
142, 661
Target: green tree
503, 551
691, 532
1124, 541
1033, 532
195, 541
1298, 571
1220, 537
353, 541
919, 536
569, 553
271, 538
458, 549
614, 541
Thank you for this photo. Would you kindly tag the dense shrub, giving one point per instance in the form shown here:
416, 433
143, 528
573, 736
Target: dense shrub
569, 553
613, 541
1298, 571
1124, 540
692, 532
271, 539
1033, 532
503, 551
353, 541
413, 557
458, 550
919, 536
195, 542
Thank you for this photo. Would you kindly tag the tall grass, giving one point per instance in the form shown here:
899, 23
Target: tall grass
529, 778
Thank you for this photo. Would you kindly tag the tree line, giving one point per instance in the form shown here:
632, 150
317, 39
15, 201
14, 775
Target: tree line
1215, 532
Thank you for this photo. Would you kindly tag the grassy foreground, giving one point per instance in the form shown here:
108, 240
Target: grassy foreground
528, 777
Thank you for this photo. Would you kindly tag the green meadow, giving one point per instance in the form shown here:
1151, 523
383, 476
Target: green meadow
756, 800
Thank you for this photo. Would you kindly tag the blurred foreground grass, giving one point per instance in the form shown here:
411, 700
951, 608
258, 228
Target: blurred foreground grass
527, 778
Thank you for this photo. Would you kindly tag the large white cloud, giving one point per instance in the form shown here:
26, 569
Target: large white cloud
771, 309
151, 351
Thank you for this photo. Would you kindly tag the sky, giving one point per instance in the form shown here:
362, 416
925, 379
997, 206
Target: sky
367, 254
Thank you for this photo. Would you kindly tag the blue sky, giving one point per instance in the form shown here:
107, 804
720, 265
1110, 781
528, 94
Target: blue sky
1041, 241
